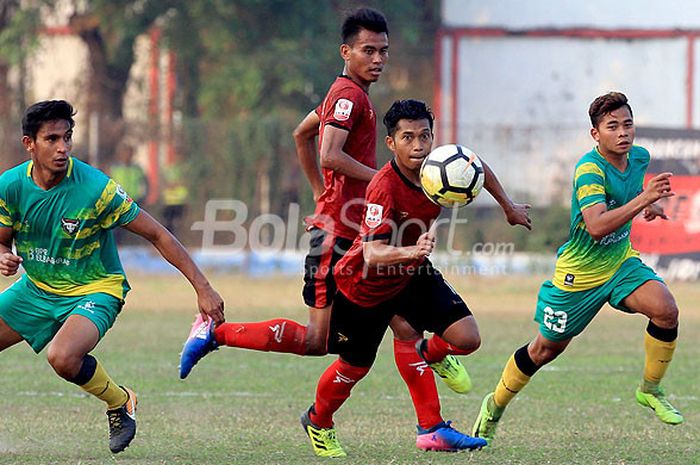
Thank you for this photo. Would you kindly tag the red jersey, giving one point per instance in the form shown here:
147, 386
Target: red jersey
346, 106
397, 210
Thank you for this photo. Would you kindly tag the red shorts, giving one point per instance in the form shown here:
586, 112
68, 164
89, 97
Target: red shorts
325, 250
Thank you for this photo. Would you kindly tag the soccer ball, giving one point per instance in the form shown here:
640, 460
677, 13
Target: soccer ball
451, 175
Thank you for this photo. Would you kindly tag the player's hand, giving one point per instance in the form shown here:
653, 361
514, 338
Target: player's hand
425, 245
9, 263
211, 305
659, 187
518, 213
654, 211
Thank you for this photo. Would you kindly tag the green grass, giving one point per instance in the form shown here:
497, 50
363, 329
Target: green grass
241, 407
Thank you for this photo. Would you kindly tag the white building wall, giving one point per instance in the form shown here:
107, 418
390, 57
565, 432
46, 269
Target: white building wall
527, 14
522, 101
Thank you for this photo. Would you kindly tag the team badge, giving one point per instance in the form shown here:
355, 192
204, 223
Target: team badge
569, 279
70, 226
373, 216
343, 108
122, 193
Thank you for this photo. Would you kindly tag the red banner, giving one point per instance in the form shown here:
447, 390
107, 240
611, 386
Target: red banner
680, 234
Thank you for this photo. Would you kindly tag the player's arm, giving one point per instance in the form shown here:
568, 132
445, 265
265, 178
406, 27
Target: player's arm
210, 303
516, 213
9, 262
305, 142
600, 221
334, 158
380, 253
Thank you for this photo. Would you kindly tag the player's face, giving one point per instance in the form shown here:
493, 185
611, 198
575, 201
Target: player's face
410, 144
366, 57
615, 132
52, 146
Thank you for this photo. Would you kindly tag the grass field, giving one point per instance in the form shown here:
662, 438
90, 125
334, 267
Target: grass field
241, 407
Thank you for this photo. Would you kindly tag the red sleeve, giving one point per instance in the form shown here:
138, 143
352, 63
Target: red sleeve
343, 108
378, 220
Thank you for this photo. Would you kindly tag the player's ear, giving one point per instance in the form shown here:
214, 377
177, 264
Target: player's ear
390, 143
28, 143
345, 52
595, 134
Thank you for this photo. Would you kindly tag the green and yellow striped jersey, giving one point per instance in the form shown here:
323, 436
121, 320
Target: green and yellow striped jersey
582, 262
63, 234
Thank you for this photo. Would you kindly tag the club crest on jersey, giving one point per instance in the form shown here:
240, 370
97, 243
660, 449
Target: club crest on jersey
70, 226
373, 217
343, 108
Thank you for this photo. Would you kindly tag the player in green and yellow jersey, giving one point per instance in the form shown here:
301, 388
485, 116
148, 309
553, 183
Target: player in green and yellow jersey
59, 213
599, 265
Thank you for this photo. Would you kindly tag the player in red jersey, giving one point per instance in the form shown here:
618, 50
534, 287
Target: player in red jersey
387, 273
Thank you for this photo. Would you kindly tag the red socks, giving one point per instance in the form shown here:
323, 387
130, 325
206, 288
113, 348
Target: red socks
279, 335
420, 382
333, 389
437, 348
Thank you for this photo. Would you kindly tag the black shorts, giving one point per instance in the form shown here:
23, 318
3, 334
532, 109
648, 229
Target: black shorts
325, 250
428, 303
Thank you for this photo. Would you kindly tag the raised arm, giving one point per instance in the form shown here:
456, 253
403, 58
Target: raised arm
9, 262
305, 142
334, 158
516, 213
600, 221
210, 303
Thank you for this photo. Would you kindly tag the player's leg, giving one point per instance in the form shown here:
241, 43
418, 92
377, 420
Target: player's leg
654, 300
562, 315
8, 336
355, 334
437, 353
280, 334
430, 303
85, 324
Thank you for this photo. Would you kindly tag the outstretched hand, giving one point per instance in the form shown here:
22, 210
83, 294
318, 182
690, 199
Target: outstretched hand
659, 187
9, 263
518, 213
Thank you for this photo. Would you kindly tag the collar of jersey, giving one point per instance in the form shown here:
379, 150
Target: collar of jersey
70, 167
621, 173
404, 178
345, 76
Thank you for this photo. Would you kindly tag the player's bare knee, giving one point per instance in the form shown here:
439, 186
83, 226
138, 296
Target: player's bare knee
316, 345
668, 314
63, 363
468, 343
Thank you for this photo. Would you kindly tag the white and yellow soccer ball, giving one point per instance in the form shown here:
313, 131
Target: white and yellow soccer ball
452, 175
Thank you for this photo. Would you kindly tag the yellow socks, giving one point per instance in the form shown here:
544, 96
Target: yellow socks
516, 374
93, 379
659, 345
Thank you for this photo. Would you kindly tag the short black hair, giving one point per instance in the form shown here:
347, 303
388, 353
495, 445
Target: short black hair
605, 104
47, 110
364, 18
407, 109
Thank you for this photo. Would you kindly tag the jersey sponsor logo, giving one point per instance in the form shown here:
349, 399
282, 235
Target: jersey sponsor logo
343, 108
373, 217
70, 226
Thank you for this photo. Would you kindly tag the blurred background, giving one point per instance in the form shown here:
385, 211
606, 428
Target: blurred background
188, 101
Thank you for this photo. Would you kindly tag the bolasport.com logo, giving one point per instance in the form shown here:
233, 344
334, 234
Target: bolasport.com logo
228, 226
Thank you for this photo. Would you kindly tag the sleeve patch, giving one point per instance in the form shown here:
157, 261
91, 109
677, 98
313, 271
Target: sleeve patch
373, 215
343, 108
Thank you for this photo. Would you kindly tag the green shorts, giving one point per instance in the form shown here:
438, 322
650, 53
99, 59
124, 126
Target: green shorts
562, 315
37, 315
